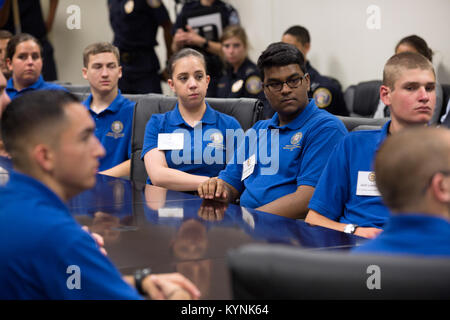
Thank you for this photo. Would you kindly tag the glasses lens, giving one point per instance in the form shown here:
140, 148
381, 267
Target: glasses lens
294, 83
275, 86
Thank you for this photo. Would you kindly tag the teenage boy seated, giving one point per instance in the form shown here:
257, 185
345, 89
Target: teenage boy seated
297, 140
112, 113
346, 197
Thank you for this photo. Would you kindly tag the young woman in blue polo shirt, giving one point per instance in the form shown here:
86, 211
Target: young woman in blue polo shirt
24, 60
185, 146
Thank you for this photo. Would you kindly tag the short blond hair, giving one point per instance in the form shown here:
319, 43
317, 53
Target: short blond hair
405, 60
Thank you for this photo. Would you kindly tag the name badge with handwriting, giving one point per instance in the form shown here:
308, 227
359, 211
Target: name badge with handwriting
366, 184
170, 141
248, 167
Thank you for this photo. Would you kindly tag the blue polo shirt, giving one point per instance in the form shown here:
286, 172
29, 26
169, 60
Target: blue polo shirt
411, 234
40, 84
113, 129
335, 195
42, 245
294, 157
206, 147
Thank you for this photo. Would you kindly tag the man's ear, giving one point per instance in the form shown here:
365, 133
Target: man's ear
440, 187
385, 95
84, 72
308, 81
43, 155
306, 47
8, 64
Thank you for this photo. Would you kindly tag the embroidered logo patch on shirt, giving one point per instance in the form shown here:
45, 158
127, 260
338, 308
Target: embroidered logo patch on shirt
116, 128
295, 142
217, 141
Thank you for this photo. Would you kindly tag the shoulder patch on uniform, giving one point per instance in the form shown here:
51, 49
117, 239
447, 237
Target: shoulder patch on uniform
253, 84
323, 97
154, 3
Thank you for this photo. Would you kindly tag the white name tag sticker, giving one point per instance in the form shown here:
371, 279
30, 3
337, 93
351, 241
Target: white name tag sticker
366, 184
248, 167
170, 141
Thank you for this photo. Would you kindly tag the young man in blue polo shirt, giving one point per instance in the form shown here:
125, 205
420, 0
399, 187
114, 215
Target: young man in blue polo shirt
44, 252
283, 156
346, 197
412, 170
24, 60
112, 113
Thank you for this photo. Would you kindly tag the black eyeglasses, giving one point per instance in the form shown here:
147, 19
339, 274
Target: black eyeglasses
291, 83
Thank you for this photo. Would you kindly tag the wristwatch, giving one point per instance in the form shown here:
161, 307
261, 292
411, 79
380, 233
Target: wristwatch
350, 228
139, 276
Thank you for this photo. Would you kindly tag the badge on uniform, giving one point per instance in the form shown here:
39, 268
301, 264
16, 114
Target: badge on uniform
295, 142
129, 6
154, 3
237, 86
248, 166
366, 185
116, 128
323, 97
217, 140
170, 141
253, 84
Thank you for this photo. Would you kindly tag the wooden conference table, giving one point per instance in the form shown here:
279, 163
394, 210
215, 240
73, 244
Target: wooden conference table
148, 226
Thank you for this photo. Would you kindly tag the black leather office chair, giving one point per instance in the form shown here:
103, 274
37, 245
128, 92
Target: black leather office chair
74, 88
362, 99
247, 111
282, 272
359, 123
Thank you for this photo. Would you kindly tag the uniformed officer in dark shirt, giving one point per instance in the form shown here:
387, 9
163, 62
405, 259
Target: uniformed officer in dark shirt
204, 38
135, 24
32, 22
326, 91
241, 77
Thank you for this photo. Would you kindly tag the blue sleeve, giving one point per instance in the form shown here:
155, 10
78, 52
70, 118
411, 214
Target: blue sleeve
316, 154
232, 173
332, 189
152, 130
72, 248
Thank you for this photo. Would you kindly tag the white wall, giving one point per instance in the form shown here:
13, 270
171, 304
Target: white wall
342, 45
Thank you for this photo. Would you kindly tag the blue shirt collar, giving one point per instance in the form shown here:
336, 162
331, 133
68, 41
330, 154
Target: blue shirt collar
383, 134
113, 107
10, 85
32, 187
297, 122
417, 220
176, 119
